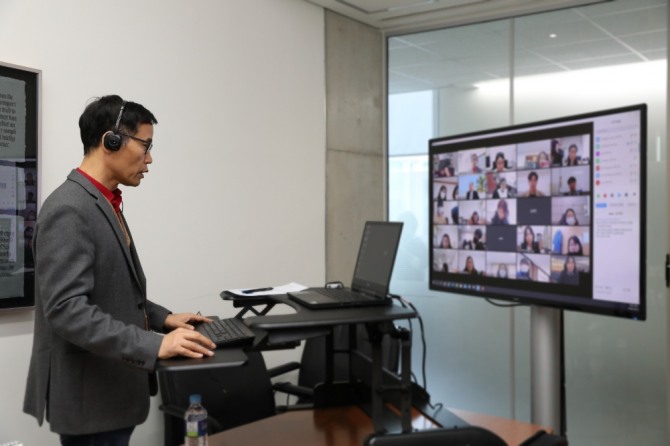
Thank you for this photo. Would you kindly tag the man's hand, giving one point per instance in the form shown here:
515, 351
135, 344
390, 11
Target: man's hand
182, 339
185, 342
181, 320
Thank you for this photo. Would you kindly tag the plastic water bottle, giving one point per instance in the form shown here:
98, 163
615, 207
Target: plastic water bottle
196, 423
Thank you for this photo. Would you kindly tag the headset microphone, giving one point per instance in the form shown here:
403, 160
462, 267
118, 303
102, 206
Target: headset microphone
112, 141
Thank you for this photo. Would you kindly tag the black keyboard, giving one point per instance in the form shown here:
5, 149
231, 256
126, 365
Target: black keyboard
227, 332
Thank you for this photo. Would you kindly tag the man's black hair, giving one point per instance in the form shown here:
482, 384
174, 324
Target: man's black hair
99, 117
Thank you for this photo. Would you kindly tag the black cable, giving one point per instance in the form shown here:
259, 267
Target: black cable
423, 338
411, 328
437, 407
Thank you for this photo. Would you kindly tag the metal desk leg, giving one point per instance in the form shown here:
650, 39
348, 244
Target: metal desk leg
376, 334
377, 381
330, 358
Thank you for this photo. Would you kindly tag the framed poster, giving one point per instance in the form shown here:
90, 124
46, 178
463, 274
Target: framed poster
19, 184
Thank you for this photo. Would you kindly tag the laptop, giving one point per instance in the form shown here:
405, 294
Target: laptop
372, 274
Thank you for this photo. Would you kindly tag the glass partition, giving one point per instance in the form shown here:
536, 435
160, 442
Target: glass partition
615, 369
493, 74
453, 61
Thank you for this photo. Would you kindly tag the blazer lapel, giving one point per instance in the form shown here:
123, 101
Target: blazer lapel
108, 211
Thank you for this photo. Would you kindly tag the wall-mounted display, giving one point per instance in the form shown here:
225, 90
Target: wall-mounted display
19, 184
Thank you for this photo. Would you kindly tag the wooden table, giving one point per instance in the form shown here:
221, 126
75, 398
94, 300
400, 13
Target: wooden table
349, 425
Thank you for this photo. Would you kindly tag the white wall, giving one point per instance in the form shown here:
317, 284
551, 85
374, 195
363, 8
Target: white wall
235, 196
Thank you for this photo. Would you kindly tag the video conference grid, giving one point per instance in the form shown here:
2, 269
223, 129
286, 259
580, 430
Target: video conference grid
519, 211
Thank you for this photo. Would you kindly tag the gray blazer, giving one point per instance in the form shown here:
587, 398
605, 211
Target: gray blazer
91, 354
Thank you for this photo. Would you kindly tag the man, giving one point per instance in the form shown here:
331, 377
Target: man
95, 342
477, 240
533, 191
572, 187
471, 194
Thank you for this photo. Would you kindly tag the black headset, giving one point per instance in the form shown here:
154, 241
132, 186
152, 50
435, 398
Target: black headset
112, 141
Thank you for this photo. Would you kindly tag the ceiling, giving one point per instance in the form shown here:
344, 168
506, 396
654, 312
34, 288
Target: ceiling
399, 15
572, 38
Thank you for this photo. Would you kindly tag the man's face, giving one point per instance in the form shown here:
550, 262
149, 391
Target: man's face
573, 186
532, 183
131, 161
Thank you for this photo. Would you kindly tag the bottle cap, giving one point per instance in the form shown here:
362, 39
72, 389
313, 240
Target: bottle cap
194, 399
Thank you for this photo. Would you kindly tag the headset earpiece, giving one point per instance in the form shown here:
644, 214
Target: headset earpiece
112, 140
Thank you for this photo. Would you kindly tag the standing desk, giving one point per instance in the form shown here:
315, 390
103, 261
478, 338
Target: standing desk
343, 425
287, 330
306, 323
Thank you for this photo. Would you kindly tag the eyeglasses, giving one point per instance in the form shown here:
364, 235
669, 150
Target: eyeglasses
148, 144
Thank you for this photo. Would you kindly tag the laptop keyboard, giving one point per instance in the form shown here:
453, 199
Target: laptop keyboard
227, 332
341, 293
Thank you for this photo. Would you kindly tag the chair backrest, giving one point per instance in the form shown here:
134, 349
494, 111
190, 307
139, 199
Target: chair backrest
232, 395
466, 436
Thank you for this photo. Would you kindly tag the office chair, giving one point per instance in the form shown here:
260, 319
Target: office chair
466, 436
232, 396
312, 365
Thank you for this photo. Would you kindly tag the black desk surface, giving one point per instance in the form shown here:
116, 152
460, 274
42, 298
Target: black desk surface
223, 357
305, 318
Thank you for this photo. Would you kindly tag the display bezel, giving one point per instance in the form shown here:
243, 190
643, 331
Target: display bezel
550, 293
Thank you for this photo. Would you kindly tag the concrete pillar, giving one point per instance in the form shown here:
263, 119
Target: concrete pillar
355, 160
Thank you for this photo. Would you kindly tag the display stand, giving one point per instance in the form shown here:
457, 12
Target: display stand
547, 368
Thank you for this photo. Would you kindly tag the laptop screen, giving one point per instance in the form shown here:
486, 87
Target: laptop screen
376, 257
